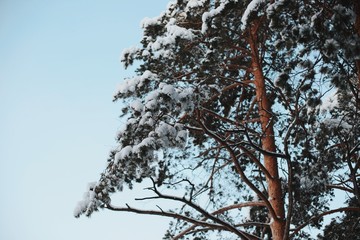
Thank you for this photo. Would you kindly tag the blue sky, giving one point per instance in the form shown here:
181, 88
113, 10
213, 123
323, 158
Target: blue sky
59, 67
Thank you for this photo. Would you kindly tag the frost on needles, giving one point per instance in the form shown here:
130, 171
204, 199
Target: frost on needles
250, 110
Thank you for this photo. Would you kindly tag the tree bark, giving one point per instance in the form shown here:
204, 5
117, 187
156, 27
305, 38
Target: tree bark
357, 30
275, 192
357, 93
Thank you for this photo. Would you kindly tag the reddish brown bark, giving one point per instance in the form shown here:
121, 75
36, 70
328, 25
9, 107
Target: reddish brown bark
268, 142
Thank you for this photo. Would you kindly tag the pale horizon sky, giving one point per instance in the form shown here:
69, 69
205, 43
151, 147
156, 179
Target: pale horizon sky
59, 68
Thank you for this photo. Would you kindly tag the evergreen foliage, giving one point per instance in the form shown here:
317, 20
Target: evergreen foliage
242, 105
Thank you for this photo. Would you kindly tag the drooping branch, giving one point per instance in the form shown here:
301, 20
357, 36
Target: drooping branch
165, 214
205, 213
222, 210
346, 189
315, 218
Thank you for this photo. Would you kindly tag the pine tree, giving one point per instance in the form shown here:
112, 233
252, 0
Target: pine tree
241, 106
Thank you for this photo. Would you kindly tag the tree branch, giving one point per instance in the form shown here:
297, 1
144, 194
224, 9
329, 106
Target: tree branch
221, 210
260, 149
346, 189
206, 214
238, 168
240, 205
344, 209
255, 160
290, 179
165, 214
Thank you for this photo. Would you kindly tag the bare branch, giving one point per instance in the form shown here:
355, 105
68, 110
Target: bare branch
238, 168
147, 198
344, 209
340, 187
240, 205
205, 213
260, 149
255, 160
165, 214
222, 210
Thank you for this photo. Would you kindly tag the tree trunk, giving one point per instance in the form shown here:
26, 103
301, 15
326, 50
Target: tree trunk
357, 29
277, 224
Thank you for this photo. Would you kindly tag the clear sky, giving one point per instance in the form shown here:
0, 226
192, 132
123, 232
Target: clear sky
59, 68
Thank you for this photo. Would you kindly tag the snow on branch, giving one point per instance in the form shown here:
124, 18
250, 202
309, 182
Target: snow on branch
89, 202
218, 222
194, 4
129, 86
252, 7
207, 16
